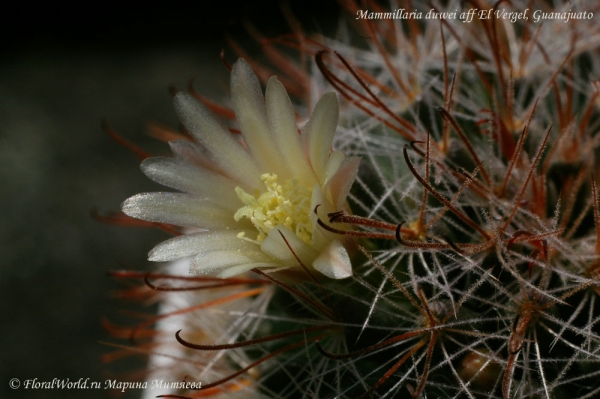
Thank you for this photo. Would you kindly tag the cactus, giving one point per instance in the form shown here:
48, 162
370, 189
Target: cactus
472, 225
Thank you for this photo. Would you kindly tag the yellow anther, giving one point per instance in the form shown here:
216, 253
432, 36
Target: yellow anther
285, 204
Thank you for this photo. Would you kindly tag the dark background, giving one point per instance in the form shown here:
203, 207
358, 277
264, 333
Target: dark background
63, 69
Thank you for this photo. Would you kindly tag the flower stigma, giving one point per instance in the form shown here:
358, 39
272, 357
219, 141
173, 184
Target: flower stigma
286, 204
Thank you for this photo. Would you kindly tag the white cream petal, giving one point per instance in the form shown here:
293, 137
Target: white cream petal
237, 270
190, 151
333, 164
319, 131
182, 176
228, 153
178, 209
210, 261
193, 244
322, 204
320, 237
339, 186
195, 154
276, 246
250, 112
334, 261
282, 123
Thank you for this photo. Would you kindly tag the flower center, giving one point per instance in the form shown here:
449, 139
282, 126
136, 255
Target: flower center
286, 204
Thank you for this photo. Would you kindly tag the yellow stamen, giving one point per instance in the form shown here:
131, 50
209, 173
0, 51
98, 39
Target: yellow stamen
285, 204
